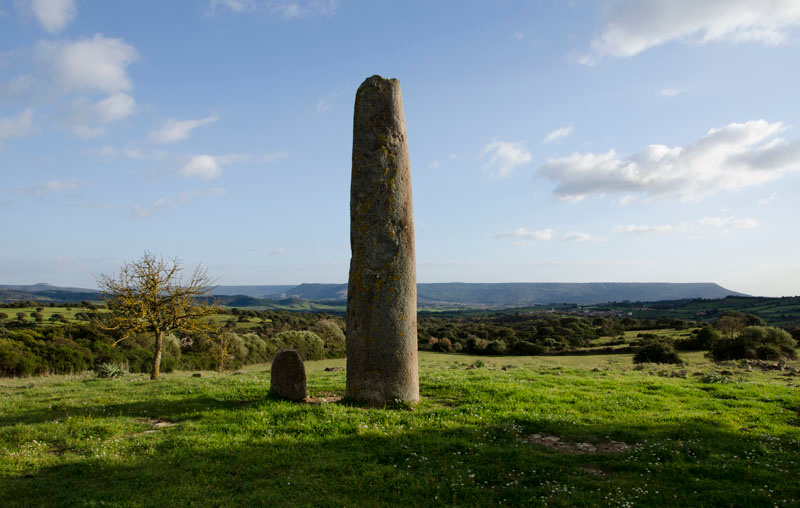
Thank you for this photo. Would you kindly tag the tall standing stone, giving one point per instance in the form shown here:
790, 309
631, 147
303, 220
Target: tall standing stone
382, 289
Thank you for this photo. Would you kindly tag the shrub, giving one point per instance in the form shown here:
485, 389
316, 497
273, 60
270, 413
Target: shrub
703, 340
16, 360
332, 336
756, 342
528, 348
111, 370
308, 344
497, 347
657, 352
476, 345
443, 345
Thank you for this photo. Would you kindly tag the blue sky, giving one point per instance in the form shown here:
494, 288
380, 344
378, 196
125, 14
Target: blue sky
552, 141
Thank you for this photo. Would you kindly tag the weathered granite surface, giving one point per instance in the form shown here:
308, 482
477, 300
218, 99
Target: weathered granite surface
382, 291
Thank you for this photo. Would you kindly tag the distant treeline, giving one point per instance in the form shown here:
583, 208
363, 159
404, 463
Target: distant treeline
783, 311
66, 305
524, 333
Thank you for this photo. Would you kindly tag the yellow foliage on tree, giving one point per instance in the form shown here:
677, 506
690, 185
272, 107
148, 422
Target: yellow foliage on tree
150, 295
222, 347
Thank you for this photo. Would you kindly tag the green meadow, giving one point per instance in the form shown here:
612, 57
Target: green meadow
534, 431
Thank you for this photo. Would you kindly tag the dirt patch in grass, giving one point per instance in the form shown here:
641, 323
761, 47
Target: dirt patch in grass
559, 444
156, 424
324, 398
594, 471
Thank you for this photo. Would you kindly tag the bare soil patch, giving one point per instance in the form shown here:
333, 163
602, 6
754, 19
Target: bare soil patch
325, 398
557, 443
156, 424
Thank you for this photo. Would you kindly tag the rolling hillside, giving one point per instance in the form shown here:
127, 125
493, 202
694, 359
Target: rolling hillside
453, 293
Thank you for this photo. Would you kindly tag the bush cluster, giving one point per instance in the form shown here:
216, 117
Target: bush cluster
657, 351
27, 350
525, 333
755, 342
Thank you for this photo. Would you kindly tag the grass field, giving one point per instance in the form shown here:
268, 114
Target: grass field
542, 432
67, 313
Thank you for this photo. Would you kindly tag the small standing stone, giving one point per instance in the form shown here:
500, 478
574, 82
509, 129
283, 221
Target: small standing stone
288, 376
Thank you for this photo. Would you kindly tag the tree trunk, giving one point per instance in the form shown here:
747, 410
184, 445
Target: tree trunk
157, 355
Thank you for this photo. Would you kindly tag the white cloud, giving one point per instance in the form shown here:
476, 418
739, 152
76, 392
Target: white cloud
634, 26
434, 164
98, 64
185, 197
273, 157
671, 92
52, 187
639, 229
322, 106
177, 130
734, 156
15, 126
626, 199
182, 198
453, 156
233, 5
578, 236
115, 107
563, 132
54, 15
505, 156
539, 234
16, 86
728, 222
201, 166
140, 211
86, 131
519, 35
106, 152
85, 115
287, 9
277, 252
133, 152
725, 224
768, 200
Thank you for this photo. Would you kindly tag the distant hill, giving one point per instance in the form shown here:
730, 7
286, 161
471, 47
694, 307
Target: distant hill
40, 287
532, 293
254, 291
319, 292
438, 294
46, 293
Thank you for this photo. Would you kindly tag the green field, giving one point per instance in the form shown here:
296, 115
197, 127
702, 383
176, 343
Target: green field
542, 432
47, 312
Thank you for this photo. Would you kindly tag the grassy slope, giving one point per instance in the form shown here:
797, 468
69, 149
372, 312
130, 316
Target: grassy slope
80, 441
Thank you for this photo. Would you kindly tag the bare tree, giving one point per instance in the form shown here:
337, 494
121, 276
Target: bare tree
150, 295
222, 347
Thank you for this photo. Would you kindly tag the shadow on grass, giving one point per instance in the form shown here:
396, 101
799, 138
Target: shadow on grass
687, 465
188, 408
